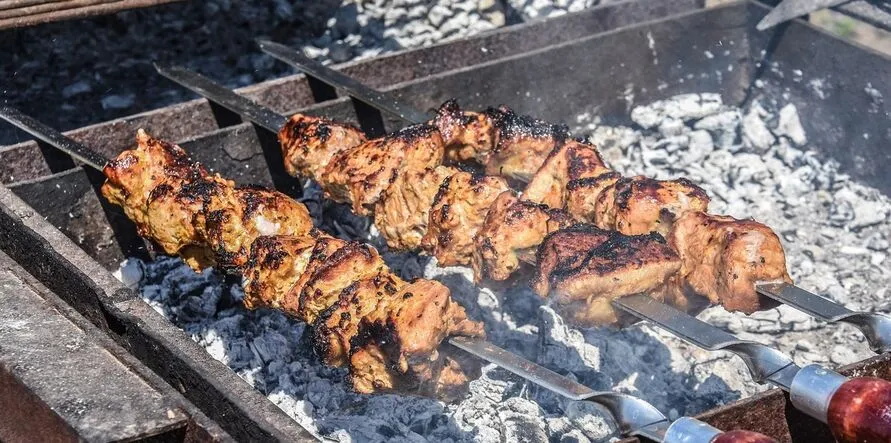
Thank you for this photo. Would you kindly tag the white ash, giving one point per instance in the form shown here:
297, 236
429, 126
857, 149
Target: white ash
753, 161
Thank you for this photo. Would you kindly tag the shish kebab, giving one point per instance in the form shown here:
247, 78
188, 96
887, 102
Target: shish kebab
545, 188
165, 167
875, 327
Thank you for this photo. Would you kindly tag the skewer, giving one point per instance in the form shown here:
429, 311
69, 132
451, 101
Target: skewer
854, 408
634, 416
875, 327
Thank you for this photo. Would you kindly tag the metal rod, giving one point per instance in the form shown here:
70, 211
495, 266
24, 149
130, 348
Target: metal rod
257, 114
380, 100
53, 137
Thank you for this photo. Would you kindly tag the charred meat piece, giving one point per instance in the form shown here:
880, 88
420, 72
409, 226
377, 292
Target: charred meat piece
639, 205
722, 259
582, 193
335, 285
467, 135
458, 212
511, 234
573, 160
309, 143
397, 352
361, 174
403, 211
523, 143
583, 268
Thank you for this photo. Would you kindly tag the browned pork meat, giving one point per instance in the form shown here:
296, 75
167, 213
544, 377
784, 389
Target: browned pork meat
722, 259
522, 145
342, 288
574, 160
361, 174
403, 212
511, 234
309, 143
458, 212
583, 268
468, 135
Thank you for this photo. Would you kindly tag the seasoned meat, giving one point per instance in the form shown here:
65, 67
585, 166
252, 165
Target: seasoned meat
522, 145
335, 285
467, 135
573, 160
360, 175
403, 211
582, 193
458, 212
364, 299
395, 351
309, 143
724, 257
638, 205
511, 234
275, 266
583, 268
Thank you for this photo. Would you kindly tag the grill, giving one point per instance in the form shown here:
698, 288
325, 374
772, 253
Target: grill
180, 393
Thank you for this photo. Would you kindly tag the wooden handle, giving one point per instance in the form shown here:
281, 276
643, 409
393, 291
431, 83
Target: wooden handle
860, 411
742, 437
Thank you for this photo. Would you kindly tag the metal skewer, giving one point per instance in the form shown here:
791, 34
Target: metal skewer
876, 327
855, 409
634, 416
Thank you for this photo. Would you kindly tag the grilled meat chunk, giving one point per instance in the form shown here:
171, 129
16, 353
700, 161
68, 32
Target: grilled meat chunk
335, 285
404, 209
467, 135
309, 143
458, 212
511, 234
522, 145
722, 259
638, 205
361, 174
574, 160
582, 193
583, 268
394, 352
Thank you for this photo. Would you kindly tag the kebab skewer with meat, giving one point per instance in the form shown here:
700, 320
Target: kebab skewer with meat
387, 331
465, 219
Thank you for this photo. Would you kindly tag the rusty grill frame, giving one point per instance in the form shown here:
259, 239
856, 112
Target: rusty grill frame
43, 193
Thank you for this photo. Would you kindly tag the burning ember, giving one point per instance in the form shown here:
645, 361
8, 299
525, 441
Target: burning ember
754, 162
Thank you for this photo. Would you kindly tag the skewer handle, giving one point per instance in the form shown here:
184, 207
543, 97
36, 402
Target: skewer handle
860, 411
856, 409
691, 430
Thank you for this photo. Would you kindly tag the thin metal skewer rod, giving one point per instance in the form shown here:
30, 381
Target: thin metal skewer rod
380, 100
53, 138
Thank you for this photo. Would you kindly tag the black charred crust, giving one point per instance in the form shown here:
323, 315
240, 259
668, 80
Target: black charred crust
199, 190
449, 109
617, 252
412, 133
510, 125
214, 222
251, 200
374, 333
588, 182
267, 252
444, 211
578, 162
694, 190
443, 189
159, 191
124, 161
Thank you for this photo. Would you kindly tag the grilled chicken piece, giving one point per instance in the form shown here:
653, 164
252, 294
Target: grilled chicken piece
724, 257
309, 143
511, 234
639, 205
458, 212
573, 160
398, 351
523, 143
467, 135
361, 174
583, 268
404, 209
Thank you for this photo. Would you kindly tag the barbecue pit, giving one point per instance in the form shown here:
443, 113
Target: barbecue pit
837, 94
